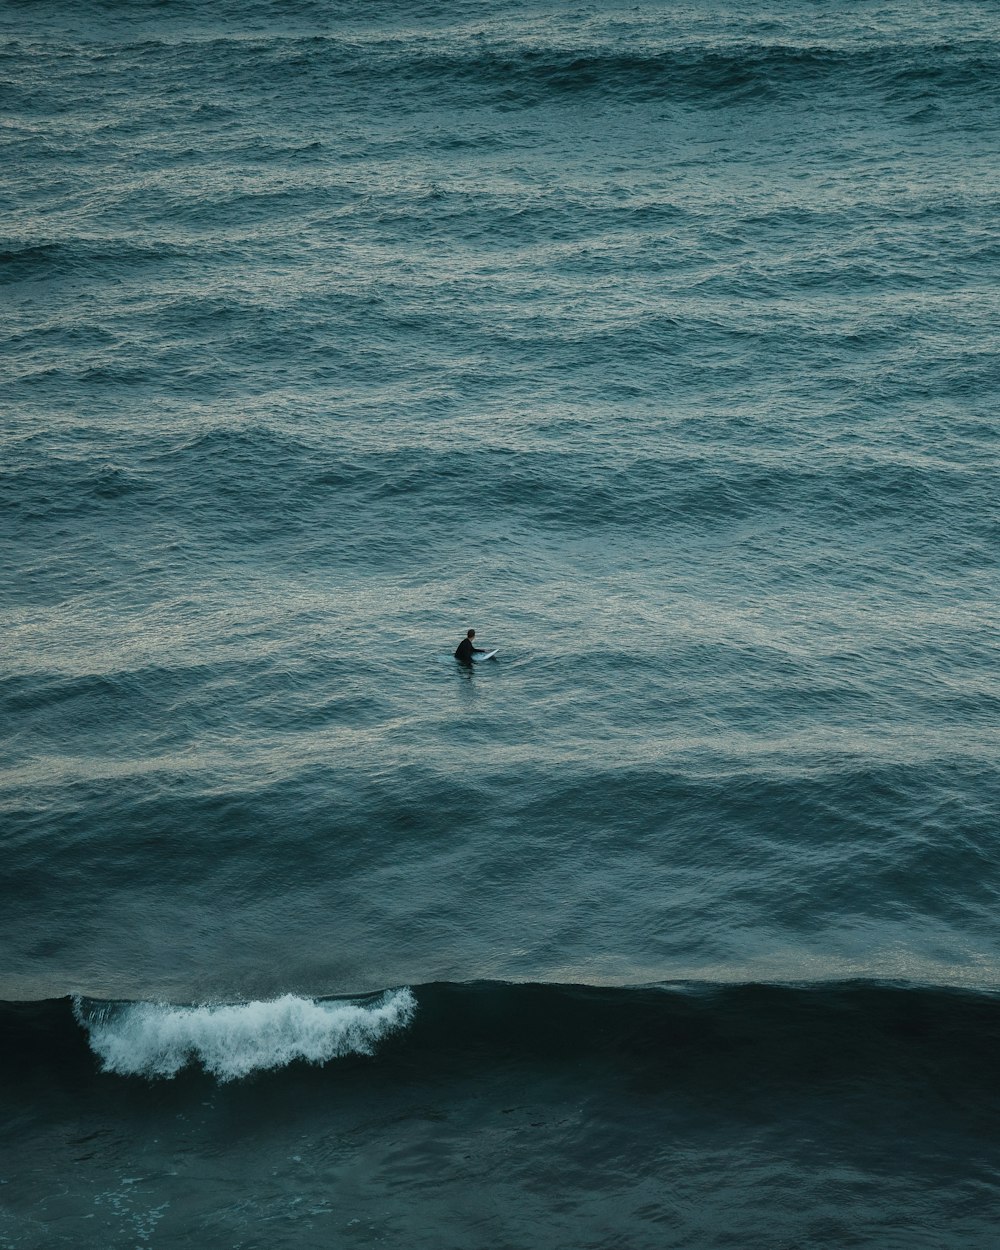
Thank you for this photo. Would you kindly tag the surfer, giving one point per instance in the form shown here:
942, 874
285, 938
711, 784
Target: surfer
464, 651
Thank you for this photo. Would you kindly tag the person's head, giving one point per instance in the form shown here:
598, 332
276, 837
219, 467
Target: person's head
471, 634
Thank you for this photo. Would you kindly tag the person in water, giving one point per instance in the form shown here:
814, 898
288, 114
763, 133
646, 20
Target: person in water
465, 650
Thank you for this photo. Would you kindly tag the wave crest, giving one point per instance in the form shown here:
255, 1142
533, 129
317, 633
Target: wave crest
231, 1041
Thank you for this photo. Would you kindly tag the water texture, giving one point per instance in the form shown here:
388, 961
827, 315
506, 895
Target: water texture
657, 343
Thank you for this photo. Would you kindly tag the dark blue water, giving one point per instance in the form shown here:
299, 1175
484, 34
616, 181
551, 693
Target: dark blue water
658, 344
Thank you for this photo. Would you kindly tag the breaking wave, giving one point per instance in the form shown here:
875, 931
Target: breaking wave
232, 1040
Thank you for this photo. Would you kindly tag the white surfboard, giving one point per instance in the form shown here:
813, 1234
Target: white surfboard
487, 655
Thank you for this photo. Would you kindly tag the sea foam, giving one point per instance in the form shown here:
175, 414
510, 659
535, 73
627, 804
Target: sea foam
231, 1041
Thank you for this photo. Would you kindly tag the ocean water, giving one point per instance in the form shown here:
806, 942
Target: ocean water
659, 344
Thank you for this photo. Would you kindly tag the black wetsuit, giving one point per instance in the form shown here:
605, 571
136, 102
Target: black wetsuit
464, 651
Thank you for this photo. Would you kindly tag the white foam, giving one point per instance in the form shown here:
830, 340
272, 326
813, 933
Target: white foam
158, 1040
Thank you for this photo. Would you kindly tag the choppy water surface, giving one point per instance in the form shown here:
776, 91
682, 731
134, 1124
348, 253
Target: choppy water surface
660, 345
